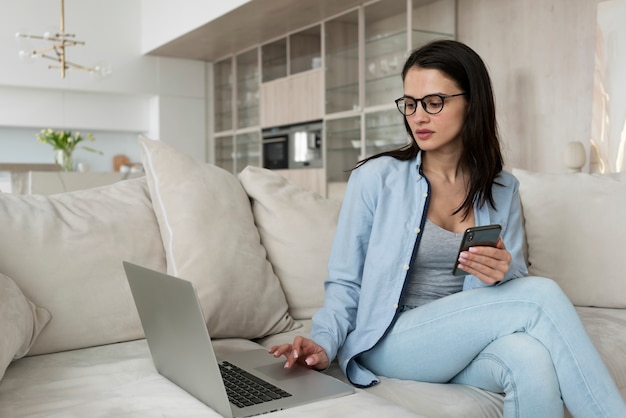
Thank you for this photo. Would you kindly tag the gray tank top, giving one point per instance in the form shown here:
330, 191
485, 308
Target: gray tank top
431, 275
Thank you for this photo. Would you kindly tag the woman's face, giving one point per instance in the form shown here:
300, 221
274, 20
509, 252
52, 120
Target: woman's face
440, 131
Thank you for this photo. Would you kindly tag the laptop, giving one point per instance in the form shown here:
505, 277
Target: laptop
182, 351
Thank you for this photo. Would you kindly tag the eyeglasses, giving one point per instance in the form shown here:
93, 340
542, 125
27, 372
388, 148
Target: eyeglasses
432, 103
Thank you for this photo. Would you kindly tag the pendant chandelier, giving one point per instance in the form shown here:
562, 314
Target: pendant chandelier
57, 52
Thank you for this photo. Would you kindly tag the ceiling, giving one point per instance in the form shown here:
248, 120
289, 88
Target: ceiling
251, 24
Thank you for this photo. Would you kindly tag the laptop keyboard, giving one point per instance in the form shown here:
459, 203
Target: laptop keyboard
245, 389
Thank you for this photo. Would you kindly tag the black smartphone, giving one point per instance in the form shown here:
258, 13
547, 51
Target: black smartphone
474, 237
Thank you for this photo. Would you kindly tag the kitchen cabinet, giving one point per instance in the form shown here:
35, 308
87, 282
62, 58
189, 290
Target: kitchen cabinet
247, 150
223, 95
344, 71
291, 92
224, 152
234, 152
305, 50
341, 36
385, 51
343, 147
274, 60
384, 131
247, 88
294, 99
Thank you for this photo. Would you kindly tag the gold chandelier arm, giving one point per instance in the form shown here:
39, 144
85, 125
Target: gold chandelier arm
62, 16
61, 41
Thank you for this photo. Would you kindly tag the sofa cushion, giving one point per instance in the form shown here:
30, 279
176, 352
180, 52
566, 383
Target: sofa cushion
65, 252
210, 239
297, 228
20, 322
607, 329
575, 231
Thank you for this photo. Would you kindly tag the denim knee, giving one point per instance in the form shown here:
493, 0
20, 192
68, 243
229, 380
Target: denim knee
520, 367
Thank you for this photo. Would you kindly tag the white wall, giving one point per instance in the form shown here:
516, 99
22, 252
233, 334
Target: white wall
164, 20
162, 97
541, 57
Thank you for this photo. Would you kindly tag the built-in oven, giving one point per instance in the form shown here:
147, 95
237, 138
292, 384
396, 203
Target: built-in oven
293, 146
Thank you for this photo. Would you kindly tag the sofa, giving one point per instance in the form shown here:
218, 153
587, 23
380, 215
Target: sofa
255, 246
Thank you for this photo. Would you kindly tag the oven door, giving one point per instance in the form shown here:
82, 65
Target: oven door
276, 152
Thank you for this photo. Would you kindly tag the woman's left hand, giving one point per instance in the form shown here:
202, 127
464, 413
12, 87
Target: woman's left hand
489, 264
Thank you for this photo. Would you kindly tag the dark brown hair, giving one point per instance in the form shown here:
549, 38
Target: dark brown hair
482, 156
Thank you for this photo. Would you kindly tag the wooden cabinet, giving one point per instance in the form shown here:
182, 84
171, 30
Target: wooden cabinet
294, 99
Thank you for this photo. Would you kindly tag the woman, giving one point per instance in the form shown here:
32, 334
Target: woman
393, 307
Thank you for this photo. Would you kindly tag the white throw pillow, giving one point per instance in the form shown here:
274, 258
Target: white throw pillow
576, 229
297, 228
20, 322
65, 252
210, 239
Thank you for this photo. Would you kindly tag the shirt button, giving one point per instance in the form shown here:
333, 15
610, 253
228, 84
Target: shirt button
395, 306
425, 194
417, 230
406, 267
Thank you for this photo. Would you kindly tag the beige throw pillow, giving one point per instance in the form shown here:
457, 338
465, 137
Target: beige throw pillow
297, 228
210, 238
576, 229
65, 252
20, 322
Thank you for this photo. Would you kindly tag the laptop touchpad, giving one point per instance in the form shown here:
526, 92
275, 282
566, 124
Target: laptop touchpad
277, 371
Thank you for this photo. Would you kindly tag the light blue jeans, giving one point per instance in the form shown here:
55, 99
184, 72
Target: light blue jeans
522, 338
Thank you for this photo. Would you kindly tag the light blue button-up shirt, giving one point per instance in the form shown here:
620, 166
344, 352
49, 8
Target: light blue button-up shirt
377, 236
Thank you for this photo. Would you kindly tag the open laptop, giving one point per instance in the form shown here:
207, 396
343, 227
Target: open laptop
182, 351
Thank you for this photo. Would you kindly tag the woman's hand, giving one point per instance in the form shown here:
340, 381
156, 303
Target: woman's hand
489, 264
304, 351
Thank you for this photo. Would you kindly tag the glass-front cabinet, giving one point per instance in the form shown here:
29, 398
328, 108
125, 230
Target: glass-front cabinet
247, 88
385, 51
274, 60
343, 147
224, 152
341, 37
223, 95
432, 20
247, 150
384, 131
305, 50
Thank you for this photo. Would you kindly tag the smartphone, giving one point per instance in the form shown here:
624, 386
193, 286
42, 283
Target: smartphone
475, 237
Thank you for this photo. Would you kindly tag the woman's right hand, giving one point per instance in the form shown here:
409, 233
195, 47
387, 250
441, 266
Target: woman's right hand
304, 351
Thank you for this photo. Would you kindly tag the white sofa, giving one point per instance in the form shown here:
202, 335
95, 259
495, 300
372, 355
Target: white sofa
256, 248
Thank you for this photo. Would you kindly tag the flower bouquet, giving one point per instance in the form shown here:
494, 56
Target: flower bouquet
64, 143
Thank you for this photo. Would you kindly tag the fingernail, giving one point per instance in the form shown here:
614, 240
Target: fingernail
286, 366
473, 249
308, 361
295, 354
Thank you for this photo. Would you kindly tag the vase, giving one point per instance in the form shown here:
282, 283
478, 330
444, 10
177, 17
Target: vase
64, 159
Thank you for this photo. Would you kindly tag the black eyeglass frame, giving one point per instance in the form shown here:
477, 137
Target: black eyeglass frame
443, 98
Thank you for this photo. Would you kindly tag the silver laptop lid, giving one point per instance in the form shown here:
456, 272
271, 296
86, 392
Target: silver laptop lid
179, 342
